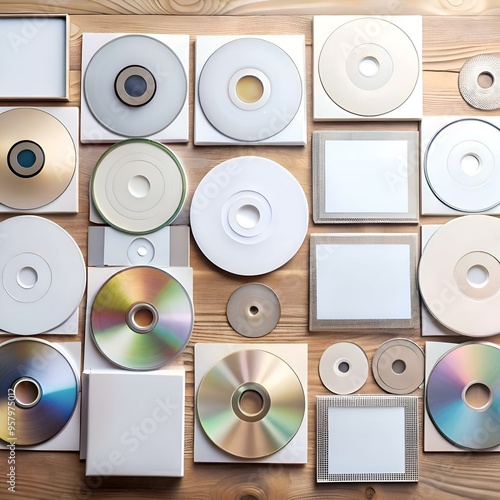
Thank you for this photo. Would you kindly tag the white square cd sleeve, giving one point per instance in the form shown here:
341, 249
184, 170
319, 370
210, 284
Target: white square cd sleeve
363, 281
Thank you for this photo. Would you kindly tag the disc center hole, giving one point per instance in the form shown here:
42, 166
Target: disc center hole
369, 66
399, 366
254, 310
344, 367
470, 164
143, 317
478, 276
135, 86
485, 80
478, 396
251, 402
139, 186
249, 89
26, 158
248, 216
27, 392
27, 277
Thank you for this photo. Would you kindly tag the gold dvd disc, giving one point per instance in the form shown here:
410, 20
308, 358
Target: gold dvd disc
398, 366
251, 430
37, 158
459, 275
253, 310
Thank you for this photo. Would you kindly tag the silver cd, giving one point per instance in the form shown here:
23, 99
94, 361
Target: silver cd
135, 85
253, 310
255, 114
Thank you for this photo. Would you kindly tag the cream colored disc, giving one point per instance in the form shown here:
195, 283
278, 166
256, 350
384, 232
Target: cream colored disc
398, 366
459, 275
369, 66
138, 186
42, 275
343, 368
253, 310
37, 158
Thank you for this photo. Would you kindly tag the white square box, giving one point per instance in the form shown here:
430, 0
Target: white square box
459, 140
363, 281
365, 176
135, 424
92, 131
35, 56
388, 52
205, 357
276, 117
67, 201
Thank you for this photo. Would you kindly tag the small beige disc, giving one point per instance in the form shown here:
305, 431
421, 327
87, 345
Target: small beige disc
398, 366
459, 275
253, 310
343, 368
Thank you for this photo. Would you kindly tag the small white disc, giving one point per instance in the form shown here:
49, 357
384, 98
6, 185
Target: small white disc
249, 215
343, 368
152, 75
240, 113
138, 186
462, 165
43, 275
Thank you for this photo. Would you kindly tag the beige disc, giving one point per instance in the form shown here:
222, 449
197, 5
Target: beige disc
253, 310
37, 158
369, 66
398, 366
459, 275
343, 368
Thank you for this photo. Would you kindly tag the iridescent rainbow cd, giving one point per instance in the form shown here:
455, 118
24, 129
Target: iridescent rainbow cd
38, 391
463, 395
141, 318
270, 422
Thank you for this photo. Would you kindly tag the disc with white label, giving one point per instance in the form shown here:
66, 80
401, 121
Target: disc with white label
250, 89
138, 186
249, 215
43, 275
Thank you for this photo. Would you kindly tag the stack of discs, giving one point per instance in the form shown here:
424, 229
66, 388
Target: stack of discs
343, 368
227, 419
141, 318
398, 366
138, 186
459, 275
38, 389
37, 158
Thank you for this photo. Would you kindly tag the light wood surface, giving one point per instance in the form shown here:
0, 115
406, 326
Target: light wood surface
448, 43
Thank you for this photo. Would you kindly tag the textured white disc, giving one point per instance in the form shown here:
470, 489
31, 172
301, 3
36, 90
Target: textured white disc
462, 165
459, 275
369, 66
43, 275
249, 215
272, 111
343, 368
138, 186
159, 61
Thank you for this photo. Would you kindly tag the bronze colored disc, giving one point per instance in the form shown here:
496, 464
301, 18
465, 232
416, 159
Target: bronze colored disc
37, 158
233, 427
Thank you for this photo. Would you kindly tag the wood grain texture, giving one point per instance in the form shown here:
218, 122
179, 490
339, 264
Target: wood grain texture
448, 42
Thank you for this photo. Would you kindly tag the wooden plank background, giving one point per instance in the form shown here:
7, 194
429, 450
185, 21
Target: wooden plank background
448, 43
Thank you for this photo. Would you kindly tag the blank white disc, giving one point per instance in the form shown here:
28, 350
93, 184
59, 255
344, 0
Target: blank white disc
226, 104
369, 66
249, 215
152, 57
43, 275
138, 186
462, 165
